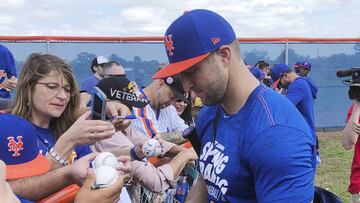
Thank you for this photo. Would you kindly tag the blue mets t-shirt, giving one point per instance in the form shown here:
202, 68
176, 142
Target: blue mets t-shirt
46, 140
89, 84
264, 153
7, 69
302, 93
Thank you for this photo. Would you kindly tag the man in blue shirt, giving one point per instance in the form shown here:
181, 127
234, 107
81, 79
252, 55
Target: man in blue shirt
97, 69
8, 76
255, 145
301, 91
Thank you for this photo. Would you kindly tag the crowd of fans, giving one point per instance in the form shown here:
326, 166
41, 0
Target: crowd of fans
49, 139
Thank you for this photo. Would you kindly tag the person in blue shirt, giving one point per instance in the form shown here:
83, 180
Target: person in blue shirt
97, 68
8, 76
25, 164
301, 91
255, 145
48, 97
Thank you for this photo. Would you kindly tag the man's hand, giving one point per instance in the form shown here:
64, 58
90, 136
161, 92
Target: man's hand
10, 84
105, 195
114, 109
125, 168
80, 168
138, 151
190, 154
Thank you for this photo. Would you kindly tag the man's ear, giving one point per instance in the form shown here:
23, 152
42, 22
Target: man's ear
225, 53
160, 82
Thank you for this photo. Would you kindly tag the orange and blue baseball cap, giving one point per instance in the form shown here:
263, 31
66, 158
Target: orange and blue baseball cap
19, 149
191, 38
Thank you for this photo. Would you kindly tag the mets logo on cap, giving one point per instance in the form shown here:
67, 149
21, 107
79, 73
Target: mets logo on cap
15, 146
169, 45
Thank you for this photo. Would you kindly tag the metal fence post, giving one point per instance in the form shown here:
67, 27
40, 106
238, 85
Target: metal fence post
287, 53
47, 46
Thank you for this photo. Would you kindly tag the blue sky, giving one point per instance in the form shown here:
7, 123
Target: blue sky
250, 18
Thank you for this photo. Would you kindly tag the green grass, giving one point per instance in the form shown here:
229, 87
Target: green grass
333, 173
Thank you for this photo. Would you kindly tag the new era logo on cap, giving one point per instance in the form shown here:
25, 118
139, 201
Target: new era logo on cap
192, 37
215, 40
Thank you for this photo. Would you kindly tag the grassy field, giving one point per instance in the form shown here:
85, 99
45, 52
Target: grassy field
334, 171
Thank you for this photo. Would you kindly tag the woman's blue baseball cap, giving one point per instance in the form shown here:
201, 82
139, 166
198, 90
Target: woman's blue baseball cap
20, 151
191, 38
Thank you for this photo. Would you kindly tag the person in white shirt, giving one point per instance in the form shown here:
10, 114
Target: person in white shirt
159, 117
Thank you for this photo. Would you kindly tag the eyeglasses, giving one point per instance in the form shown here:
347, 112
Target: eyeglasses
55, 88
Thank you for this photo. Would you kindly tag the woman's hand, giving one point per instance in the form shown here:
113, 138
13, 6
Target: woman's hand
85, 131
107, 195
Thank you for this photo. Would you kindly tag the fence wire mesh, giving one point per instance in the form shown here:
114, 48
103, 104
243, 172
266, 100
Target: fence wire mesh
141, 59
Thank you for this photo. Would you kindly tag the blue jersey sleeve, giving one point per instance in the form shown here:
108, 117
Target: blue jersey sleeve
11, 69
89, 84
86, 86
82, 150
282, 166
7, 62
295, 92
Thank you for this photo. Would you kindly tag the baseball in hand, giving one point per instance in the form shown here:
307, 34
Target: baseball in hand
107, 159
105, 176
151, 148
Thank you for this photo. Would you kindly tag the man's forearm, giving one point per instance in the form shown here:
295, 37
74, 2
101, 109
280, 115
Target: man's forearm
38, 187
179, 162
174, 137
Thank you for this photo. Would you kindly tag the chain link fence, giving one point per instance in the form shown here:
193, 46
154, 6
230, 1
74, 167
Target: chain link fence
142, 58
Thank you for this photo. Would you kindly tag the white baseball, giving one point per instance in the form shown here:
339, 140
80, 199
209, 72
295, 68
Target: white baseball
151, 148
105, 176
106, 158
